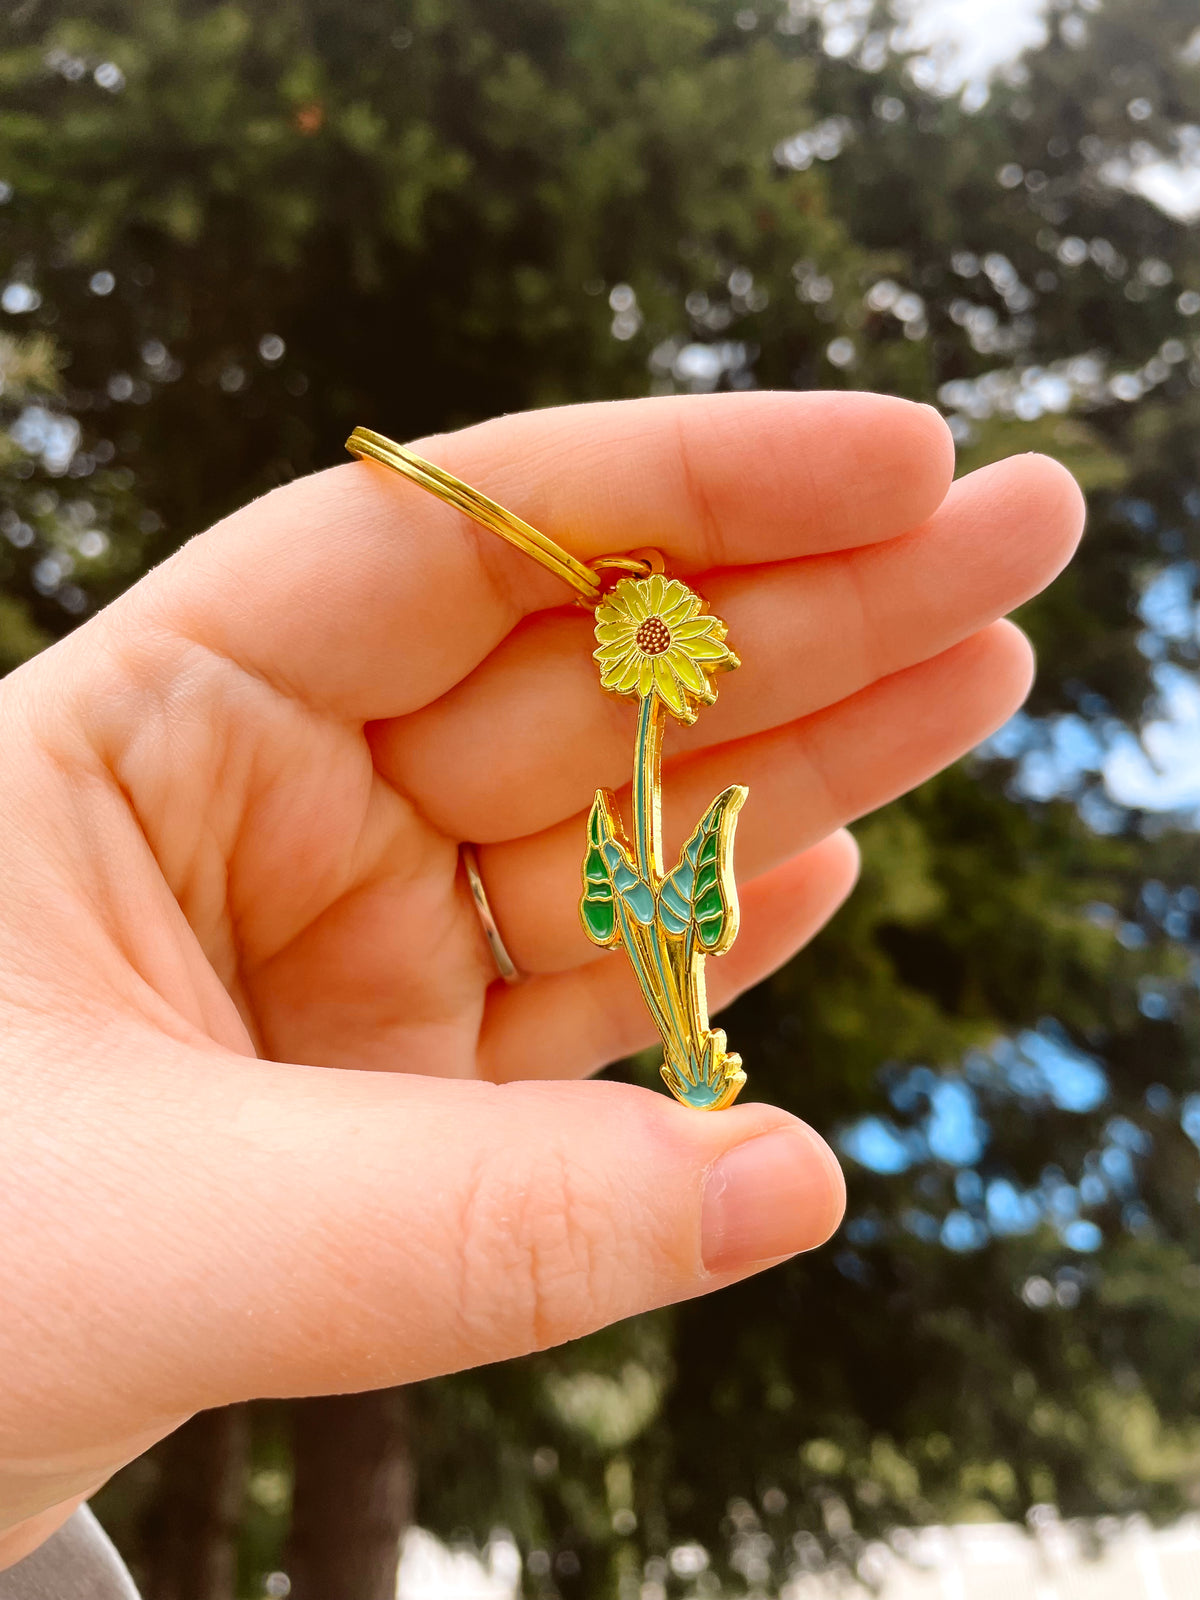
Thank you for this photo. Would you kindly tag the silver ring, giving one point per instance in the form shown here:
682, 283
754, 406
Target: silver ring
505, 965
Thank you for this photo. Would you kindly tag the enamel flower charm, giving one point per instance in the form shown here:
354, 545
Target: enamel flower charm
659, 645
655, 639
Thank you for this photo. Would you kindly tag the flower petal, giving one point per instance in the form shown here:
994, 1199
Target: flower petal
708, 650
676, 613
614, 661
689, 674
697, 627
626, 674
675, 593
670, 690
656, 586
645, 676
609, 632
630, 593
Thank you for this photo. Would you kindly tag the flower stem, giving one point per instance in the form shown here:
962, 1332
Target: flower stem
659, 1008
672, 993
647, 801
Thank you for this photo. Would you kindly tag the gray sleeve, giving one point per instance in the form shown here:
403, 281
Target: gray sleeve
79, 1562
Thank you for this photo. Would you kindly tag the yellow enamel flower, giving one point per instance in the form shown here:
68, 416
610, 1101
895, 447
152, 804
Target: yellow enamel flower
655, 638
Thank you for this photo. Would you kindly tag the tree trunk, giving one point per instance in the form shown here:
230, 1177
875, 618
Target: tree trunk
190, 1540
353, 1496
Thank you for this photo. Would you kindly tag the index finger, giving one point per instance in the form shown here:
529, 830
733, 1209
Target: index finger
367, 597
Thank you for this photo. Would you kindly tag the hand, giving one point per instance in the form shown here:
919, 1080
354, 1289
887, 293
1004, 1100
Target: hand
268, 1122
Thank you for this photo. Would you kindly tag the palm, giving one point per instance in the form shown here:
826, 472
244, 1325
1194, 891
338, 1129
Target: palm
323, 758
368, 956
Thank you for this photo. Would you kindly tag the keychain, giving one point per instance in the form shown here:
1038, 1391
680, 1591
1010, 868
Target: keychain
656, 644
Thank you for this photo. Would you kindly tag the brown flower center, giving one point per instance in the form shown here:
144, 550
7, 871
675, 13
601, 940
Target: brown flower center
653, 637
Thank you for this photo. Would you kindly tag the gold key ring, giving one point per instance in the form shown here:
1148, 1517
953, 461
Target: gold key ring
659, 645
364, 442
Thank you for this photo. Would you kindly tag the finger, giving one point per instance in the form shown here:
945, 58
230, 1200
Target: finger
805, 780
568, 1024
364, 595
528, 737
282, 1230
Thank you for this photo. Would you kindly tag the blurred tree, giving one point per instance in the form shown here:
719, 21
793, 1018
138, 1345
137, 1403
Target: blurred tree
28, 376
248, 228
353, 1495
191, 1534
52, 542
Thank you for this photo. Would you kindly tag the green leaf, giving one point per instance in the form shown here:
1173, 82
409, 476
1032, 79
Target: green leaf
700, 892
609, 876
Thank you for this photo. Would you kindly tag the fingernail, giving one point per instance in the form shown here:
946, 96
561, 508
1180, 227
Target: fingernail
771, 1196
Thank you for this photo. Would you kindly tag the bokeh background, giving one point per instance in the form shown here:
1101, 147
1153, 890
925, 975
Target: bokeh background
229, 232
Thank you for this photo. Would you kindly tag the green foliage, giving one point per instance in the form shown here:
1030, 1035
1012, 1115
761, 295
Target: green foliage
55, 546
251, 227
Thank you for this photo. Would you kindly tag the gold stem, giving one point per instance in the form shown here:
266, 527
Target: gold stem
675, 986
647, 791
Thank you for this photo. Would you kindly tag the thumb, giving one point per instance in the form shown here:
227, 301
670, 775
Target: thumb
293, 1230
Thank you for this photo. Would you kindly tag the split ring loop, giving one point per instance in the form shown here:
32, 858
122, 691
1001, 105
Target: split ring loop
585, 579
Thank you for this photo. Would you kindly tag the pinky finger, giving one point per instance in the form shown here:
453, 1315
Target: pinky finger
569, 1024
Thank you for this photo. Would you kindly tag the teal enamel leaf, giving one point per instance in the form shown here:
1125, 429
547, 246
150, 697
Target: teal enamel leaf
701, 1096
609, 876
636, 896
699, 891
